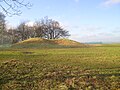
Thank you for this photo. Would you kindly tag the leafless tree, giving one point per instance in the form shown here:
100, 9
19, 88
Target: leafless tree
13, 7
21, 29
14, 35
50, 29
45, 28
39, 28
2, 26
25, 31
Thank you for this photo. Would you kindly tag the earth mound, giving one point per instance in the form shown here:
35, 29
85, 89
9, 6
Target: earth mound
46, 43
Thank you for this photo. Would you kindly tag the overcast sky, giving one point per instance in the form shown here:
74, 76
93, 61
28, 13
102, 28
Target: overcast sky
87, 20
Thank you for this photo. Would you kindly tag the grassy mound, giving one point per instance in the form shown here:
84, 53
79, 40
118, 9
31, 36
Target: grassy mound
45, 43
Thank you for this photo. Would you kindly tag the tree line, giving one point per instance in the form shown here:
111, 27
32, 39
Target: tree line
44, 28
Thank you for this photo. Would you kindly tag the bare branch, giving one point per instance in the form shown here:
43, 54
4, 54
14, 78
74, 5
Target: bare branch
13, 7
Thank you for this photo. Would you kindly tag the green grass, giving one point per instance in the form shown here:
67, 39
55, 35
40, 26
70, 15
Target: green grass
112, 45
93, 68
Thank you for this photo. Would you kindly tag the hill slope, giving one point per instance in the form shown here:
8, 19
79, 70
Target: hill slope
45, 43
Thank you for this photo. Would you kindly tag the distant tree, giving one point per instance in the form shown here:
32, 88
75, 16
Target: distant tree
2, 26
2, 21
25, 31
39, 29
50, 29
30, 31
45, 28
56, 31
13, 34
12, 7
22, 32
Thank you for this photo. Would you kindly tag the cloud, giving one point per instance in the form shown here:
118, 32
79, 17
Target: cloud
97, 37
91, 33
88, 28
116, 30
30, 23
109, 3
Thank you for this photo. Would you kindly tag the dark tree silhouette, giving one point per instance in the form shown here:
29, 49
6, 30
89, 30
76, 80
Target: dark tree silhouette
45, 28
50, 29
13, 7
23, 32
2, 26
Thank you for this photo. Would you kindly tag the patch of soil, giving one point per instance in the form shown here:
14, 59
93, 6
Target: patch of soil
27, 52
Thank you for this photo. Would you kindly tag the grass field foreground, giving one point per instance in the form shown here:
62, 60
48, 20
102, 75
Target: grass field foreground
93, 68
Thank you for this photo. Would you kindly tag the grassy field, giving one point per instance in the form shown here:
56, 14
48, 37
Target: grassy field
90, 68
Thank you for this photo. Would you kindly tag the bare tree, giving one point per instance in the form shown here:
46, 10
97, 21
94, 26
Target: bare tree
45, 28
21, 29
39, 29
25, 31
13, 7
56, 31
30, 31
2, 26
50, 29
14, 35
